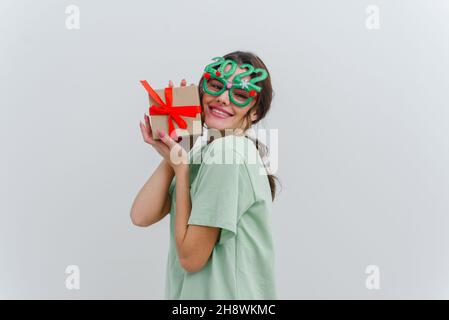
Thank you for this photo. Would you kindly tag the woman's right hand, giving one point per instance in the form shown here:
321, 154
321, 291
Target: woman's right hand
147, 134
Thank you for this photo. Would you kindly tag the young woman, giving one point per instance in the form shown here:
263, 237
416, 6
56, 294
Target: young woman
220, 238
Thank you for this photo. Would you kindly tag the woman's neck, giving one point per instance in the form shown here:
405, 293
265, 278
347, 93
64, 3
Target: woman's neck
212, 134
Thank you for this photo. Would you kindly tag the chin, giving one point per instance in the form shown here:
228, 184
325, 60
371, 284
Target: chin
216, 124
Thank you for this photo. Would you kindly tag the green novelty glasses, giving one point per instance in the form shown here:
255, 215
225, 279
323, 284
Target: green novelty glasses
241, 91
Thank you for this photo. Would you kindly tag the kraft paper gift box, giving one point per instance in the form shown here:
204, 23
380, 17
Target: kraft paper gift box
175, 111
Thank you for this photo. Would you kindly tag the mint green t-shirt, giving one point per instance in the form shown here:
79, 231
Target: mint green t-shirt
229, 190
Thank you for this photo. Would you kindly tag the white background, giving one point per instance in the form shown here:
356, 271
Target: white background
363, 126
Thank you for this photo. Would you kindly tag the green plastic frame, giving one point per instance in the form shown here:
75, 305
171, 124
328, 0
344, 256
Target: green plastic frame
216, 70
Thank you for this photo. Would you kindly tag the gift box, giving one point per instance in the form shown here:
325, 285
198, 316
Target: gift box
174, 110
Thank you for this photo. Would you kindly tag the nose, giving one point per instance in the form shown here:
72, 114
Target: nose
224, 97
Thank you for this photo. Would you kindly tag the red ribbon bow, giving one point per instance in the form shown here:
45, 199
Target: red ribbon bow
167, 108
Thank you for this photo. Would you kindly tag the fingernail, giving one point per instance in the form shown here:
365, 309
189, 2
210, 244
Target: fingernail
161, 133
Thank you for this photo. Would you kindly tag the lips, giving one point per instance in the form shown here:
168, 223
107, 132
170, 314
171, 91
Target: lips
219, 111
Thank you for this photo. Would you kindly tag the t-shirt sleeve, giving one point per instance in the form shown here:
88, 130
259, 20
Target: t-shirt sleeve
221, 194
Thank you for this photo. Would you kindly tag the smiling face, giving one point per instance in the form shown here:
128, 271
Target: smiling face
220, 113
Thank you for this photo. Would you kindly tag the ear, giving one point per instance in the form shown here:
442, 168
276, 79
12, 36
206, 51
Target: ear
253, 114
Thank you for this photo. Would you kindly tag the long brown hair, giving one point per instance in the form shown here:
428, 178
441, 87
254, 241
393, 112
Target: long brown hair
262, 105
